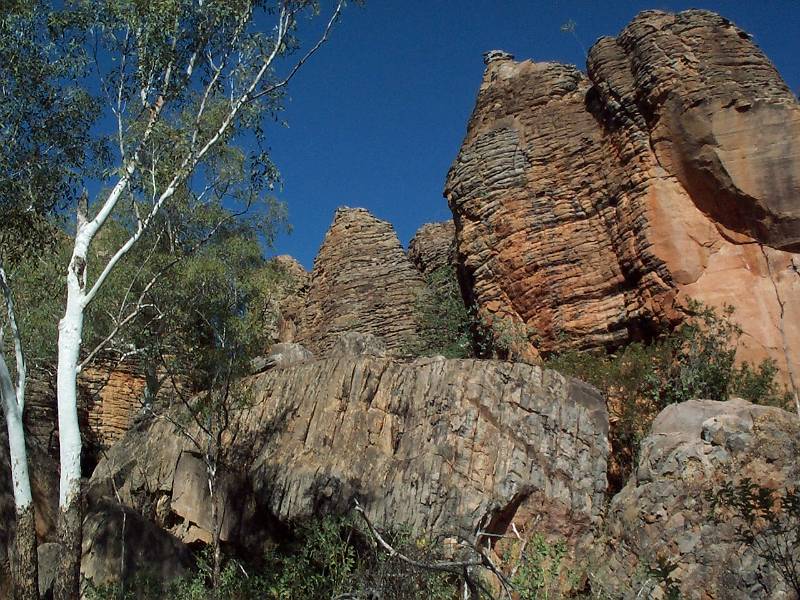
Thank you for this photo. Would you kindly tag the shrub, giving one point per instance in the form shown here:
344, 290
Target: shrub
444, 321
767, 521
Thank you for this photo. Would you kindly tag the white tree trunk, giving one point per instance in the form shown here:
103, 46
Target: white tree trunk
70, 330
16, 439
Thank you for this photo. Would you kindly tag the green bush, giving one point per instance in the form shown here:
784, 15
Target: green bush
444, 321
328, 558
449, 328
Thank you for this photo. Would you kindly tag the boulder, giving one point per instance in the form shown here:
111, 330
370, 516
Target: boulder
591, 207
362, 281
282, 354
664, 515
436, 445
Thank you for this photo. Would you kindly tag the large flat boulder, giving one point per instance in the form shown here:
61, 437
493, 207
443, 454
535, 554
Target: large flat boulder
439, 446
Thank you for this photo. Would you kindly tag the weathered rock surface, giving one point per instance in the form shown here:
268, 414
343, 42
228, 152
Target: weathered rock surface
590, 207
663, 513
433, 246
290, 298
283, 354
438, 445
361, 281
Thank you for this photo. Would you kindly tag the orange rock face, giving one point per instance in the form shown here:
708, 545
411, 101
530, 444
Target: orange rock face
590, 207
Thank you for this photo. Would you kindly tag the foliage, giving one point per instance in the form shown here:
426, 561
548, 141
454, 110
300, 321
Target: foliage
328, 558
449, 328
444, 321
767, 521
45, 120
695, 361
539, 569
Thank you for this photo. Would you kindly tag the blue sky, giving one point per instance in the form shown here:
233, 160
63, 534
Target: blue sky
377, 117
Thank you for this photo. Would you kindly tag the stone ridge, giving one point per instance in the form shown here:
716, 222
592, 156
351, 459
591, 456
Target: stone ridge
362, 281
442, 446
433, 246
590, 207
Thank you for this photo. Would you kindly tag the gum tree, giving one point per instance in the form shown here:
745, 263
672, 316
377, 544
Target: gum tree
175, 82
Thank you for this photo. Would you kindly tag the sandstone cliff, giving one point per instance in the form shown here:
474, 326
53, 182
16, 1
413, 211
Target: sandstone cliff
439, 445
590, 207
362, 281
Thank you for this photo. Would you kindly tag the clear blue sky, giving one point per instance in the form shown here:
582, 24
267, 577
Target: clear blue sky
379, 114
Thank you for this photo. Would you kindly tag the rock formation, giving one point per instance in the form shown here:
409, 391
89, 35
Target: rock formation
290, 298
438, 445
590, 207
433, 246
361, 281
664, 515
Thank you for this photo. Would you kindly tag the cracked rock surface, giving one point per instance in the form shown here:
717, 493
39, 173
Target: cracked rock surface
590, 207
438, 445
663, 512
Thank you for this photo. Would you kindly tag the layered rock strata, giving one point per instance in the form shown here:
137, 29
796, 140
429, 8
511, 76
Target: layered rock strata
362, 281
589, 208
664, 515
445, 446
433, 247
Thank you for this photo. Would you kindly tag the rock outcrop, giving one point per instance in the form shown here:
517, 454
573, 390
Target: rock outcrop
119, 545
664, 515
362, 281
289, 298
590, 208
433, 247
437, 445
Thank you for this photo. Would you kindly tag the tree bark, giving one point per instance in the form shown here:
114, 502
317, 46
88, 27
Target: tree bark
67, 583
24, 559
70, 518
24, 563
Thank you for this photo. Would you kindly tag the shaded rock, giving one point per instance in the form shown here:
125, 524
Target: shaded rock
590, 208
120, 545
354, 343
437, 445
281, 355
48, 555
362, 281
433, 247
663, 513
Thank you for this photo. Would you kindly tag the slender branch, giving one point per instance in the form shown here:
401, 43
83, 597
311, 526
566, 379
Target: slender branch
324, 38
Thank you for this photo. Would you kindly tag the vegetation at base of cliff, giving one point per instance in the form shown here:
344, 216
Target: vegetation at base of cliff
696, 360
328, 558
449, 328
445, 323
